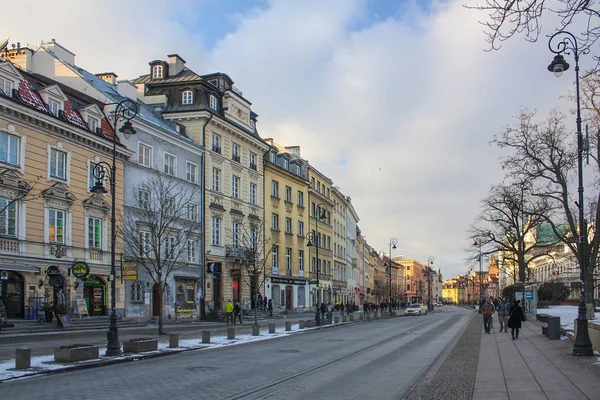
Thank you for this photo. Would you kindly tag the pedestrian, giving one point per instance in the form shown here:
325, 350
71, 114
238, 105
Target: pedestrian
61, 301
229, 311
265, 303
259, 302
341, 307
488, 311
503, 311
323, 310
514, 319
347, 308
237, 312
366, 308
270, 307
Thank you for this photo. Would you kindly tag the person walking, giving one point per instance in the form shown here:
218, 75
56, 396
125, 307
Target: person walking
237, 312
487, 310
323, 310
503, 311
514, 319
270, 307
229, 311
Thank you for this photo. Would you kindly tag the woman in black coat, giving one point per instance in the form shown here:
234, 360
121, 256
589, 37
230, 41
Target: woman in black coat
515, 316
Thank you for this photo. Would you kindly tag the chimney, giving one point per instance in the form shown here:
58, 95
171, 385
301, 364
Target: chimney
295, 150
20, 56
109, 77
61, 52
127, 89
176, 64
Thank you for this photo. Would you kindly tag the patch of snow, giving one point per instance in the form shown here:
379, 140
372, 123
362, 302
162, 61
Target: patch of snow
567, 315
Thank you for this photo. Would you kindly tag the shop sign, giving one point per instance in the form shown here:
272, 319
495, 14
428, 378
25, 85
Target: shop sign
288, 281
235, 273
80, 269
3, 274
129, 271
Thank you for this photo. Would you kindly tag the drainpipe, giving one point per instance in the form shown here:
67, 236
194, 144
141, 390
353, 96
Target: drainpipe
203, 219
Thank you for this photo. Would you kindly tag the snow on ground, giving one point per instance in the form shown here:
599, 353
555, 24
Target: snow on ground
567, 315
44, 364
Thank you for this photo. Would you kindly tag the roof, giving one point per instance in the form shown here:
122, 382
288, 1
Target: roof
545, 235
186, 75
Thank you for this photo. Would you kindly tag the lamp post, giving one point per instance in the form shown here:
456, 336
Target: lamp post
125, 110
566, 43
313, 239
393, 243
429, 272
478, 243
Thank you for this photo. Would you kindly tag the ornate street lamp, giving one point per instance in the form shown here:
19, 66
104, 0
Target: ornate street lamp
393, 243
125, 110
429, 281
314, 240
567, 43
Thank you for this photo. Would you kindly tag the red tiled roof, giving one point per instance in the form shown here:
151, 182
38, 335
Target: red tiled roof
30, 97
73, 116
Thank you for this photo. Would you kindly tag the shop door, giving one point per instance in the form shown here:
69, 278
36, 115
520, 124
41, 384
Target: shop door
11, 294
288, 297
94, 294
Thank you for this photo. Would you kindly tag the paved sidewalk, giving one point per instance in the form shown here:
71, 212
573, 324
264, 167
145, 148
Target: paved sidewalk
532, 367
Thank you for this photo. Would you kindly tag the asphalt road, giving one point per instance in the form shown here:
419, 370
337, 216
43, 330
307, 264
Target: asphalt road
379, 359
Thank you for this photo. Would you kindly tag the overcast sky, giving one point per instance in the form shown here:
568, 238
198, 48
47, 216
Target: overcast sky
396, 101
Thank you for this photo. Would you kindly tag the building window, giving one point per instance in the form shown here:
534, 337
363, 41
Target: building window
187, 97
288, 260
300, 198
170, 163
300, 228
191, 251
235, 234
171, 247
53, 106
192, 212
298, 170
213, 102
235, 186
300, 260
6, 86
137, 292
216, 181
274, 188
56, 226
216, 231
253, 189
144, 155
216, 143
8, 217
92, 124
171, 206
275, 222
253, 163
9, 149
58, 164
275, 257
94, 233
272, 157
288, 194
157, 72
286, 163
288, 225
191, 172
312, 183
144, 199
144, 244
235, 152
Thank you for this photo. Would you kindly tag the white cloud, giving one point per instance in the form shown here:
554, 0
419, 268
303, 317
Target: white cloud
399, 116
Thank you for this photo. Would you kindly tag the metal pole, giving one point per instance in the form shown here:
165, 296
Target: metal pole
318, 244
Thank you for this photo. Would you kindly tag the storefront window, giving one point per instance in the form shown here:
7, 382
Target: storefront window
186, 298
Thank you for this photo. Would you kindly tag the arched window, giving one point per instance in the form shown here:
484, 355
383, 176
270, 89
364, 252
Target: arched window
213, 102
157, 72
187, 97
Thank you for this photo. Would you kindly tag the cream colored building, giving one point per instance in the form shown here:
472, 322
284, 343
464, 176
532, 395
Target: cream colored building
286, 219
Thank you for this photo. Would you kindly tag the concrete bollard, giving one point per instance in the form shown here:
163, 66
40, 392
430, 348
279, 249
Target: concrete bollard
256, 329
271, 328
351, 317
205, 336
230, 333
301, 324
23, 358
288, 326
336, 319
343, 318
173, 340
361, 316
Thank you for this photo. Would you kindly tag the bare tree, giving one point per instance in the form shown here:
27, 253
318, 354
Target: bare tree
19, 189
160, 230
545, 154
379, 289
251, 245
507, 18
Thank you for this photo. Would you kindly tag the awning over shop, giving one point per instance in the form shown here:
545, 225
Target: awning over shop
19, 268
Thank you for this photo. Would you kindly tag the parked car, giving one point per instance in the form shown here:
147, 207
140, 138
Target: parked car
416, 309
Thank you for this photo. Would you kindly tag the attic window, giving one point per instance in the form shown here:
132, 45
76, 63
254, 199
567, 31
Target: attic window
92, 124
6, 86
157, 72
187, 97
53, 107
213, 102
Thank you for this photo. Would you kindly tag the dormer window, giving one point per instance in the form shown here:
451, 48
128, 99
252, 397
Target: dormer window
53, 107
6, 86
157, 72
272, 157
92, 124
286, 163
252, 124
213, 102
187, 97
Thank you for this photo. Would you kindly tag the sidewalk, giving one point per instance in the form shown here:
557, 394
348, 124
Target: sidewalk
532, 367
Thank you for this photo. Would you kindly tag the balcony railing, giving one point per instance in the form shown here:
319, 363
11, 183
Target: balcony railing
216, 149
8, 244
253, 166
235, 158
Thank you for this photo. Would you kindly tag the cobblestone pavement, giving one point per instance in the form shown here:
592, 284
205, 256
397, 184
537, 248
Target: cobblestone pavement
378, 359
455, 378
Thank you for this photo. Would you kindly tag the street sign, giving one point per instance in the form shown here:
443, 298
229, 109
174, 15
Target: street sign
528, 294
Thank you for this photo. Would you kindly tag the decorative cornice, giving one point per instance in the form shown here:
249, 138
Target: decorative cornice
59, 191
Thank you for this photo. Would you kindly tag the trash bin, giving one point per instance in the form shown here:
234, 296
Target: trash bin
553, 331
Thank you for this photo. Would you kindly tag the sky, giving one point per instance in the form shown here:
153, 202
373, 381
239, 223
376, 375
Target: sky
395, 101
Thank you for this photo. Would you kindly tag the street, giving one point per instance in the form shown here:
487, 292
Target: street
374, 359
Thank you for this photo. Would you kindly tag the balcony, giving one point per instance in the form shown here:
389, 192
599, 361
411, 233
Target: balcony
95, 255
242, 254
216, 149
9, 244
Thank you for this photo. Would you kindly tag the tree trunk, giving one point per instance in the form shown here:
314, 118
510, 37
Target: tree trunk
255, 301
161, 308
